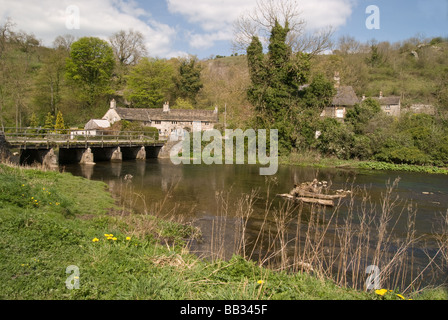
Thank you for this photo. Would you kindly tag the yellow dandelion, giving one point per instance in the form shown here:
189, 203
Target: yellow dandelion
23, 185
115, 239
43, 189
32, 198
381, 292
95, 240
260, 281
128, 238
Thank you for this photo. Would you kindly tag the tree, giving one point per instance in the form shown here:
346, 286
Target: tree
59, 125
129, 47
188, 82
149, 83
49, 121
33, 121
260, 21
90, 67
319, 94
362, 113
276, 78
64, 42
49, 81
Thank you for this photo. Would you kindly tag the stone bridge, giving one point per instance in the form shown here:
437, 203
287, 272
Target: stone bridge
52, 148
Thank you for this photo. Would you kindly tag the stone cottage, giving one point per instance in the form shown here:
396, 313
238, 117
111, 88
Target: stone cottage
344, 99
167, 121
389, 105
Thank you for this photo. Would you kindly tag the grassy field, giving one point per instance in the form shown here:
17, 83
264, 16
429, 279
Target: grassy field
63, 237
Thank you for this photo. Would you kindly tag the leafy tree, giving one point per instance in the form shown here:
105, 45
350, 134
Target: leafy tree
59, 125
49, 121
49, 81
335, 139
320, 93
276, 78
90, 67
188, 83
33, 121
375, 58
149, 83
183, 104
362, 113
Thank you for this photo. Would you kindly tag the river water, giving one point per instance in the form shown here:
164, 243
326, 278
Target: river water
217, 198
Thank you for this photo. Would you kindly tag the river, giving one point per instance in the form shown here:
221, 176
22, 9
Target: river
217, 198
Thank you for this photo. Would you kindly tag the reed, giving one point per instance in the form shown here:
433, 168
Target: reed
338, 244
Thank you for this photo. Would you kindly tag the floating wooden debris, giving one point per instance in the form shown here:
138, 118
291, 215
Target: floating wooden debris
328, 203
312, 192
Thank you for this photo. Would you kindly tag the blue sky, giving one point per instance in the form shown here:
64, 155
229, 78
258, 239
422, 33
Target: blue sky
204, 27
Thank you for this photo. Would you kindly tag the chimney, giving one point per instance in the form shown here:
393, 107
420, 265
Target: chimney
337, 80
381, 94
216, 110
113, 104
166, 107
363, 97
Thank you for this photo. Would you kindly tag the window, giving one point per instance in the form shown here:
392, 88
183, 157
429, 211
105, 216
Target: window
339, 113
388, 107
157, 122
173, 122
207, 123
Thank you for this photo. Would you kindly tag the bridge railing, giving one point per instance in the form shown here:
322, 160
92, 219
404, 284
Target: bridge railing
24, 136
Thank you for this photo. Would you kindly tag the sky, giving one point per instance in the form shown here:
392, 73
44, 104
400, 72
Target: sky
204, 28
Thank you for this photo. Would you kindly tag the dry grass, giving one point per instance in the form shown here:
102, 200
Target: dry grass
338, 244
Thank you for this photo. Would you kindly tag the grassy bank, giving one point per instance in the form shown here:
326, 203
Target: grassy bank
50, 221
317, 161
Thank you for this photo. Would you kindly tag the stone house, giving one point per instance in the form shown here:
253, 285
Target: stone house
344, 99
389, 105
167, 121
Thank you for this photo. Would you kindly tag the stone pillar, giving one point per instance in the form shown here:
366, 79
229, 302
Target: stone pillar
50, 160
4, 148
117, 155
141, 155
87, 157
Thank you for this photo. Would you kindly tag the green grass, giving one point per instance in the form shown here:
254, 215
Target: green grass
315, 160
50, 221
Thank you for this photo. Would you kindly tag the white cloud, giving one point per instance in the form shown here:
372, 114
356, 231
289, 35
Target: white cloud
216, 17
211, 15
46, 19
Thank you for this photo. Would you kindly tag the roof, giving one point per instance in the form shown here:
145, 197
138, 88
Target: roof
385, 101
138, 114
345, 96
97, 123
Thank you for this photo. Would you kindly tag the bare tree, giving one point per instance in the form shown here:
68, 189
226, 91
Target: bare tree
64, 42
129, 47
260, 21
348, 45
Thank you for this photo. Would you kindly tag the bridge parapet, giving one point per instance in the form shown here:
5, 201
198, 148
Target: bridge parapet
37, 138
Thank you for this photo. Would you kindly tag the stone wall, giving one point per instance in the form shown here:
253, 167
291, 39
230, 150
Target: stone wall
4, 148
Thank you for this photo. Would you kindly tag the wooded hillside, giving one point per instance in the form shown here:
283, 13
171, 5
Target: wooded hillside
75, 79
